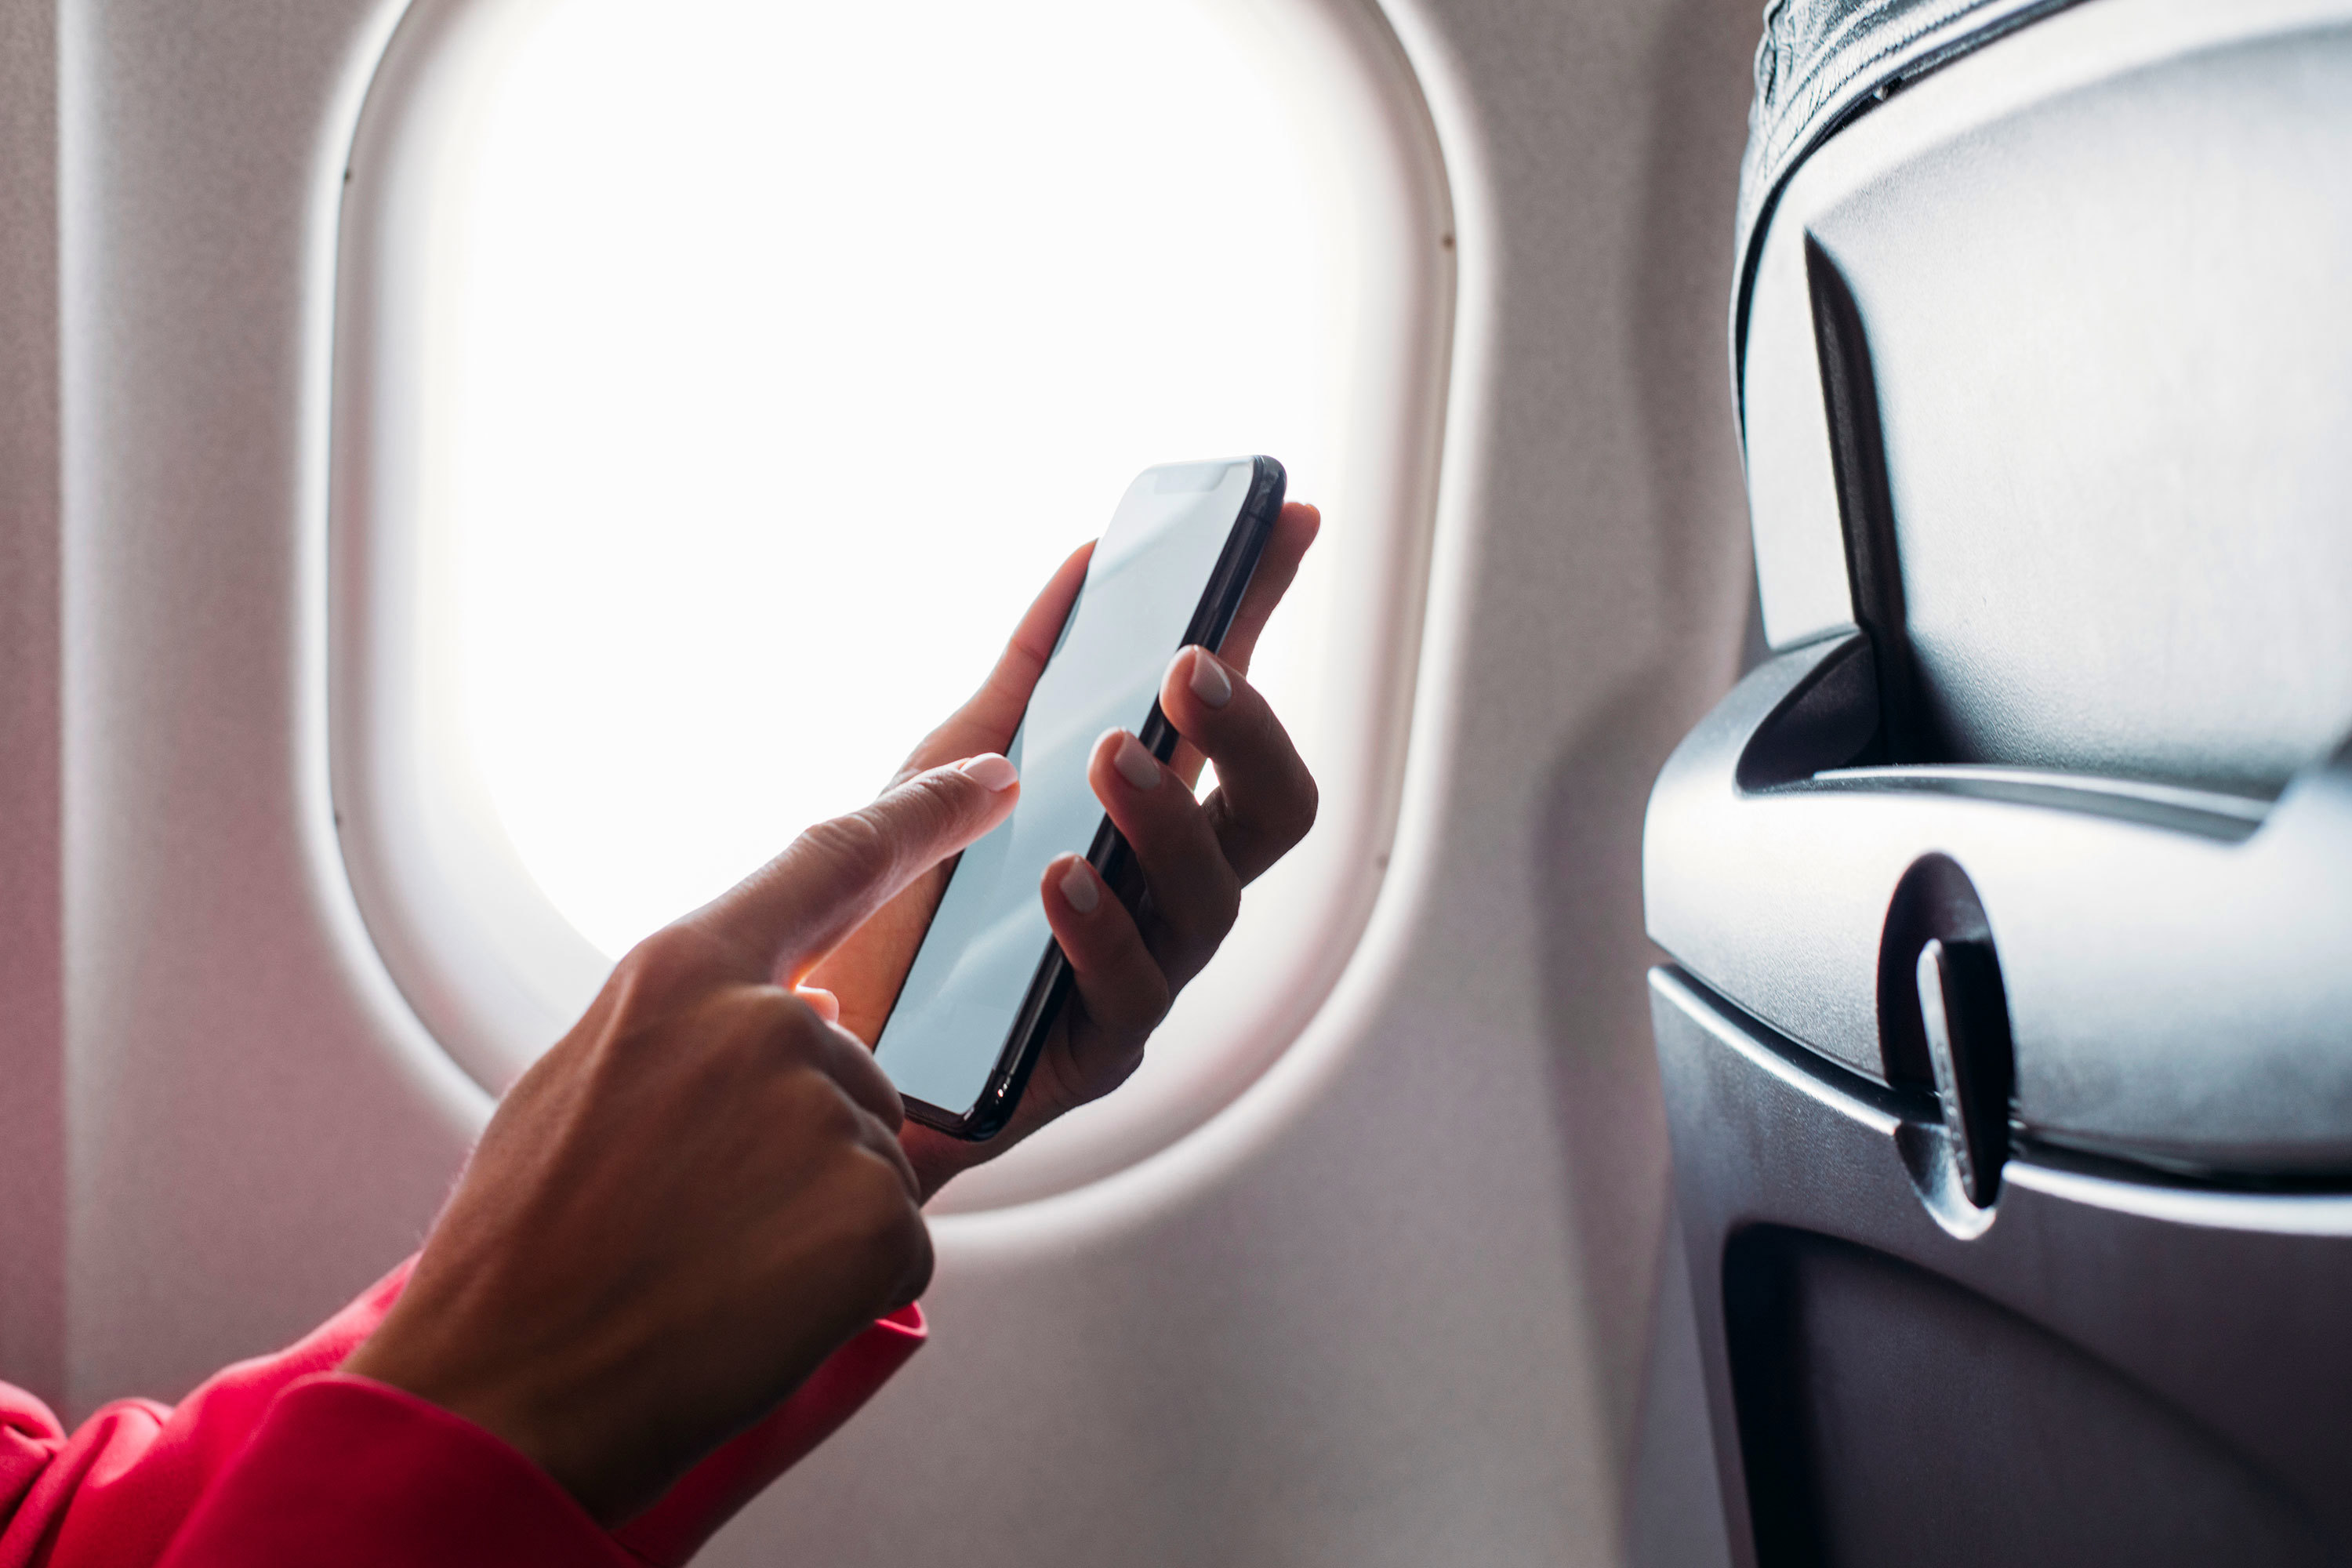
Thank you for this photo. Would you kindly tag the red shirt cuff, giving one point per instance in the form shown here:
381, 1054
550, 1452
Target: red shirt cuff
714, 1491
353, 1472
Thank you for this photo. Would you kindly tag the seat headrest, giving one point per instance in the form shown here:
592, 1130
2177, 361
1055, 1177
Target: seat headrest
1823, 62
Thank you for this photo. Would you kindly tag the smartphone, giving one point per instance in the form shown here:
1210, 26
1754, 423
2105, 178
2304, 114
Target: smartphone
989, 980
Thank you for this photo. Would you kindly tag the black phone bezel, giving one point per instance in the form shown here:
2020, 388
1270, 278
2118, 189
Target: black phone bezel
1049, 988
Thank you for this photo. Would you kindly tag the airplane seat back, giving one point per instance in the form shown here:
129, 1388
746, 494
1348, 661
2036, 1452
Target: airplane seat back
2006, 1037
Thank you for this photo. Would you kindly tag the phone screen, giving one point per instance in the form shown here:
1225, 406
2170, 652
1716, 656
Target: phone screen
964, 995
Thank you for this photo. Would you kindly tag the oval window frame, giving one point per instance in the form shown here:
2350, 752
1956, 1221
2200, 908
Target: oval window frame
492, 970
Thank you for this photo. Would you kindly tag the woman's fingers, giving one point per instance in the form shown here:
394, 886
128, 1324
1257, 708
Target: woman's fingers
1125, 991
821, 1002
1195, 893
986, 722
1286, 547
865, 971
779, 921
1265, 799
1294, 532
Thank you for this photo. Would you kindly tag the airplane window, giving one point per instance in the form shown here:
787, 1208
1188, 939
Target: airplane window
798, 344
759, 360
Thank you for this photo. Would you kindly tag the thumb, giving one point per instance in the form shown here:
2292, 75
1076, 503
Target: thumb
777, 922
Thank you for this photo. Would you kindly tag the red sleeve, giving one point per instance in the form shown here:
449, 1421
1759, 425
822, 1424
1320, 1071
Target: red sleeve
282, 1460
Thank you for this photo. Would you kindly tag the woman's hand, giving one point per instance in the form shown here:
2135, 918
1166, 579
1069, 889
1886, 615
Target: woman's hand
1195, 856
680, 1212
707, 1185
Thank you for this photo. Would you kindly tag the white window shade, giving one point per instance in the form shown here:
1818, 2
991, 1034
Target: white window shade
717, 381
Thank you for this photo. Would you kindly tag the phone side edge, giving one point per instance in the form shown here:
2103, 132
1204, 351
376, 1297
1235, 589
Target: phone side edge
1050, 986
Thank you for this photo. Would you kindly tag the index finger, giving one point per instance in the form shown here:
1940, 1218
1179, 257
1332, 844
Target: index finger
776, 923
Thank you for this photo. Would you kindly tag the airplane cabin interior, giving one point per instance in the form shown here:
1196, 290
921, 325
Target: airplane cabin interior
1799, 565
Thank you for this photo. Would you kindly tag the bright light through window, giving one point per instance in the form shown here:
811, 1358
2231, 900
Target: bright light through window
792, 343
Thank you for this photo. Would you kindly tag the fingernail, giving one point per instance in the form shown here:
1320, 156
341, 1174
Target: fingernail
1135, 764
1078, 886
1210, 683
991, 772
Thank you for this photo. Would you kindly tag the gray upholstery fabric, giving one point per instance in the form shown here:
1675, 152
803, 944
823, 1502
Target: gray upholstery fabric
1821, 61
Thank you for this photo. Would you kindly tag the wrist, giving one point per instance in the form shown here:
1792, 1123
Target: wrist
498, 1405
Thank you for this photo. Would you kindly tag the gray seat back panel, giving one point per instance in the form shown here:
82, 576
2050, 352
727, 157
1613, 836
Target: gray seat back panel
2007, 1042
